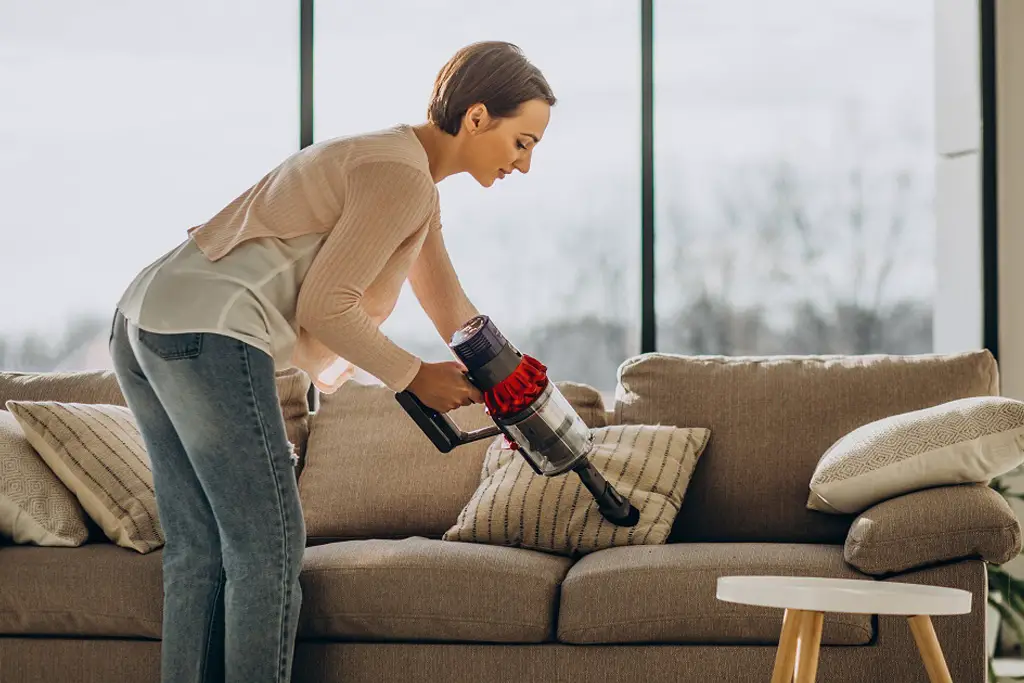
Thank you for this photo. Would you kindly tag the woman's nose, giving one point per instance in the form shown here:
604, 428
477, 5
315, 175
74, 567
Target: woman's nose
523, 163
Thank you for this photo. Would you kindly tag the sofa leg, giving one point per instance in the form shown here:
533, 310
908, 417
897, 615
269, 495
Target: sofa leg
928, 646
785, 657
808, 646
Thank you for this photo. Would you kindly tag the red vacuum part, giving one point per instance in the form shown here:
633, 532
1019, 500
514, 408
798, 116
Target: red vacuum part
517, 391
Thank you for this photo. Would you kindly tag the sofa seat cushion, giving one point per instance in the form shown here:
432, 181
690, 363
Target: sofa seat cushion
98, 589
427, 589
410, 589
666, 594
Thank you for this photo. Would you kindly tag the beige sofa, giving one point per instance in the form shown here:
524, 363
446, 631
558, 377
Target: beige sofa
387, 600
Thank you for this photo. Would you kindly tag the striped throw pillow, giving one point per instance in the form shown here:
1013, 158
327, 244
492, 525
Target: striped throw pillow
97, 452
35, 507
513, 506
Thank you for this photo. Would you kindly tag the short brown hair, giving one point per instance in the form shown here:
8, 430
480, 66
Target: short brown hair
493, 73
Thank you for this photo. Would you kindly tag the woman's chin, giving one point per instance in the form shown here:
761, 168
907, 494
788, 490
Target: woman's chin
485, 181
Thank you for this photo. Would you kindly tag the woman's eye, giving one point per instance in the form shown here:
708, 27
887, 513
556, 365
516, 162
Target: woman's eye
520, 145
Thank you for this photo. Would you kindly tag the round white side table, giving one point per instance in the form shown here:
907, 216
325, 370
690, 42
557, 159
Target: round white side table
806, 599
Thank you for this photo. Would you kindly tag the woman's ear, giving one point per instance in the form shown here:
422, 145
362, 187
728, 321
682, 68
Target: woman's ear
477, 119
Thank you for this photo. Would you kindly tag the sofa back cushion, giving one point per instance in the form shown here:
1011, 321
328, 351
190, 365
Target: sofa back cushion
371, 473
771, 418
88, 386
100, 386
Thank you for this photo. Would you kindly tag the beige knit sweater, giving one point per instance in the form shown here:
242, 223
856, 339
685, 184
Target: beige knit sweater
374, 197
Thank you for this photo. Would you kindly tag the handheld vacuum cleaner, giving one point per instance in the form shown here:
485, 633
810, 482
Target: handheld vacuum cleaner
536, 419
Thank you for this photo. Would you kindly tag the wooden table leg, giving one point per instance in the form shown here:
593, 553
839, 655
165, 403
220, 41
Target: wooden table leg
808, 646
928, 646
785, 657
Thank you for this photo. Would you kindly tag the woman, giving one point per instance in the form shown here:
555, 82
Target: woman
300, 270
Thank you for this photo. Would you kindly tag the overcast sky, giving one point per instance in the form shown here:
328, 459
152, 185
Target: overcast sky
124, 123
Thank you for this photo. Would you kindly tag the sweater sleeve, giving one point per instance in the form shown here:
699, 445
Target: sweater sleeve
437, 287
384, 203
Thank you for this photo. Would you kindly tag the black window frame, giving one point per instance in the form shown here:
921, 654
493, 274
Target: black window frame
648, 312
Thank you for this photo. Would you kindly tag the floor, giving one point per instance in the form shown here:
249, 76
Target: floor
1008, 667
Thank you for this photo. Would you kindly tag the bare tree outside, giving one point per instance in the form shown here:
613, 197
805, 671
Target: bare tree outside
823, 262
820, 253
779, 228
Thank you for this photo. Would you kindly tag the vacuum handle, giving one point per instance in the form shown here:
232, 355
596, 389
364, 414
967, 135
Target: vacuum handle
439, 428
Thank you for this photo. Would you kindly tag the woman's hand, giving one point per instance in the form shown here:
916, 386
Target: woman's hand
444, 387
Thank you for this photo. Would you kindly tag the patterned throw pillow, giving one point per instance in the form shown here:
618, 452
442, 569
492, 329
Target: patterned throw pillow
967, 441
35, 507
98, 453
513, 506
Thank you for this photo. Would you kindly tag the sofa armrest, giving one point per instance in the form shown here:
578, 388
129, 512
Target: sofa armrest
931, 526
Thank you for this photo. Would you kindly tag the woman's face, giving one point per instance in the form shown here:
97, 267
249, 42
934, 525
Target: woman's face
495, 147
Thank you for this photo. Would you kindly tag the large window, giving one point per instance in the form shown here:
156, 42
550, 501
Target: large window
552, 256
122, 125
793, 148
794, 176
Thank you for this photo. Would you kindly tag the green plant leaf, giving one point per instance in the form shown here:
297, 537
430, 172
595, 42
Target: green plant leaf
1014, 601
1012, 584
1013, 620
1003, 581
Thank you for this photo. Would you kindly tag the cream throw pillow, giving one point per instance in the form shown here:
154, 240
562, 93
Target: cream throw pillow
970, 440
98, 453
514, 506
35, 507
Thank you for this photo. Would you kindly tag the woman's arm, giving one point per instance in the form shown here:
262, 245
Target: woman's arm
437, 287
383, 203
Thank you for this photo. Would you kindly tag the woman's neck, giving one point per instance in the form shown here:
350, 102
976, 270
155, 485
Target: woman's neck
442, 151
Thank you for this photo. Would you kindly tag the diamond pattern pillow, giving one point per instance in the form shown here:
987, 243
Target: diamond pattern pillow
35, 507
967, 441
514, 506
98, 453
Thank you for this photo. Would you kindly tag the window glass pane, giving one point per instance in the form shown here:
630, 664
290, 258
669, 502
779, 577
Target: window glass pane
124, 124
794, 176
552, 256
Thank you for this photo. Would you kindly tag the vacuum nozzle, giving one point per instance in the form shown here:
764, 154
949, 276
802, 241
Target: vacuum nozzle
613, 506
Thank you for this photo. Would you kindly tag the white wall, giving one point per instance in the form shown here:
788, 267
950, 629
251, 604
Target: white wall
1010, 170
1010, 157
959, 319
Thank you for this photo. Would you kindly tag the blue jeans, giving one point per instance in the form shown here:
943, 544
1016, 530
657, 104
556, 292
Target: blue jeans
208, 410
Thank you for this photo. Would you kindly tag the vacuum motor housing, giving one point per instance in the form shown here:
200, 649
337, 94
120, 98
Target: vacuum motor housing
548, 432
